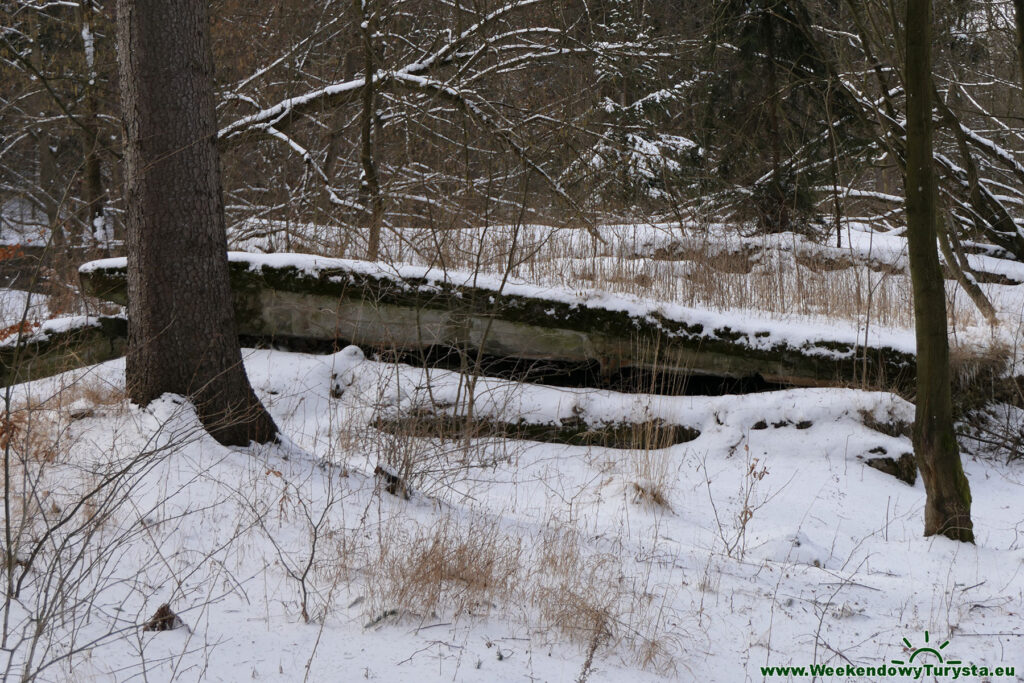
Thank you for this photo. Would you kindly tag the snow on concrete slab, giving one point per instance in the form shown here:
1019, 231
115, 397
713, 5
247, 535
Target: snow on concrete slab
759, 331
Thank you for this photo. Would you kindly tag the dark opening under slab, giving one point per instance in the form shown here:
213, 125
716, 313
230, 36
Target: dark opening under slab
556, 373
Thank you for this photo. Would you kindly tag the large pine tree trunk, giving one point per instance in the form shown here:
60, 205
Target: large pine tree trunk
948, 505
181, 331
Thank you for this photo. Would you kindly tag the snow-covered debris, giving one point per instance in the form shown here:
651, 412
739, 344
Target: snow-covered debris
764, 541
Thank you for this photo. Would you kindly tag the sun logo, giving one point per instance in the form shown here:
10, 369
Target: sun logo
925, 649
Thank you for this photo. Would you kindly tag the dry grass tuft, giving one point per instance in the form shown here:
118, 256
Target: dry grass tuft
592, 600
975, 370
651, 477
36, 430
574, 594
650, 493
456, 569
450, 568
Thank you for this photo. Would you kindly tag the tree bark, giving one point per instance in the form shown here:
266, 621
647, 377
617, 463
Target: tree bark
93, 196
948, 504
181, 331
48, 146
370, 184
1018, 7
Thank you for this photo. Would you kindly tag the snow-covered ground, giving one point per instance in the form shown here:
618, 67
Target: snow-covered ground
764, 541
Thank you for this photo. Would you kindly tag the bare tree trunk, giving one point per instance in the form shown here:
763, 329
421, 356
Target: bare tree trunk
1018, 6
92, 185
47, 145
93, 195
370, 186
948, 504
48, 182
837, 204
779, 219
959, 268
181, 330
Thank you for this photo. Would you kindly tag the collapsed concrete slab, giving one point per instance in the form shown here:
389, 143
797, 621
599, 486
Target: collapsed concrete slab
286, 297
59, 345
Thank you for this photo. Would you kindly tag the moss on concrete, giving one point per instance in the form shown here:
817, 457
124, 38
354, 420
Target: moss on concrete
62, 351
413, 313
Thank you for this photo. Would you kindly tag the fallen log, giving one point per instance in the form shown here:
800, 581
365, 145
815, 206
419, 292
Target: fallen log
299, 297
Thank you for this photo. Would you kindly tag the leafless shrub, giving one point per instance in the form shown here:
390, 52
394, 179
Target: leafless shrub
320, 563
422, 452
74, 513
733, 534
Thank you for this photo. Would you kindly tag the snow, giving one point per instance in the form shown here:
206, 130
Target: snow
42, 329
775, 545
90, 48
12, 306
765, 540
103, 230
23, 223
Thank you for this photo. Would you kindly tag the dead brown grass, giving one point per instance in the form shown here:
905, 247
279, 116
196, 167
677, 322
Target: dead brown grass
651, 477
458, 568
35, 429
451, 568
592, 599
